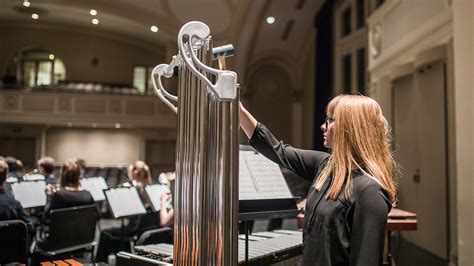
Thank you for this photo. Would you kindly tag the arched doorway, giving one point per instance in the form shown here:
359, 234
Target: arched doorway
269, 96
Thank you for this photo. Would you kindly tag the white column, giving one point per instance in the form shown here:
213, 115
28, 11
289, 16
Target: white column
463, 13
381, 91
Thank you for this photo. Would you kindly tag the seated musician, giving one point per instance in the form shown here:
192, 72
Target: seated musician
13, 165
139, 175
70, 193
12, 175
11, 209
82, 166
46, 168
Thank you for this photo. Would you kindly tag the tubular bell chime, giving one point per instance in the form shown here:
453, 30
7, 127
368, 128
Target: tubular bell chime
206, 194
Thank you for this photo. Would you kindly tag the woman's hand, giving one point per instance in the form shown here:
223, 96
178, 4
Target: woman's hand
166, 214
165, 200
51, 189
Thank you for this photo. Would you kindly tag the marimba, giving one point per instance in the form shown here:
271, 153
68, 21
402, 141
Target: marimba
282, 247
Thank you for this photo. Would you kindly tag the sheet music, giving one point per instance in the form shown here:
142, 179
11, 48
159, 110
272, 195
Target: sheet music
154, 193
124, 202
264, 175
96, 186
30, 194
33, 177
247, 188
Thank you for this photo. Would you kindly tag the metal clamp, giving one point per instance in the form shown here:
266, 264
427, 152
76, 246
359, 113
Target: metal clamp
225, 86
166, 71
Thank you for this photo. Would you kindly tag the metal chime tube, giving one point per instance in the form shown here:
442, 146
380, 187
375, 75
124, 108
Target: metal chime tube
206, 193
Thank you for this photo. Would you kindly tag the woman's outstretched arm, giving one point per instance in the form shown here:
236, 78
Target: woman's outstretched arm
248, 123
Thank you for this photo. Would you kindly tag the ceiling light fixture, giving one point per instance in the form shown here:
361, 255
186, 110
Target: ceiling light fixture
26, 3
117, 125
95, 21
35, 16
51, 57
93, 12
270, 20
154, 28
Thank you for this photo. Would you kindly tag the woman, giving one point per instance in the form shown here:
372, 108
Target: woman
113, 240
71, 192
353, 188
139, 175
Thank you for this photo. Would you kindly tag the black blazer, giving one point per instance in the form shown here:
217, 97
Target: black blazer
336, 232
11, 209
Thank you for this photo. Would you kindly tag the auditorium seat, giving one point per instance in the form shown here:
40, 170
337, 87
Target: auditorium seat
155, 236
88, 87
14, 241
70, 230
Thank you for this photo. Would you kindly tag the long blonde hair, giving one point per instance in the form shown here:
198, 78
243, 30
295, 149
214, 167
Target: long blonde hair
361, 141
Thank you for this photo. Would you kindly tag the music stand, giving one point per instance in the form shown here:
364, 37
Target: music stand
263, 191
96, 186
154, 193
124, 202
30, 193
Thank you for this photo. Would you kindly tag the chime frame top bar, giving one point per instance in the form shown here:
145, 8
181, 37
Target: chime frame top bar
196, 33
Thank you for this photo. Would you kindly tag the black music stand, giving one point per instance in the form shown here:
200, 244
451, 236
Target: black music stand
264, 191
124, 203
259, 209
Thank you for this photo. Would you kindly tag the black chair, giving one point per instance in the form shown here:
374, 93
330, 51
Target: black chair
14, 241
155, 236
146, 222
70, 229
113, 240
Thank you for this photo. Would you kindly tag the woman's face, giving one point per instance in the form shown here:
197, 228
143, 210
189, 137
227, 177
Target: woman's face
328, 131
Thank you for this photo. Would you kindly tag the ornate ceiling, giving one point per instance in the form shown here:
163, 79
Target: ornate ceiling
240, 22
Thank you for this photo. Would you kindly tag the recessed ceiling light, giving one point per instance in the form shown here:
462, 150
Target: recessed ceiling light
51, 57
35, 16
117, 125
95, 21
154, 28
93, 12
270, 20
26, 3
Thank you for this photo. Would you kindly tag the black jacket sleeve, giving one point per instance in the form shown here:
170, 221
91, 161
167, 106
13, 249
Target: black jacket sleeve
305, 163
22, 215
371, 209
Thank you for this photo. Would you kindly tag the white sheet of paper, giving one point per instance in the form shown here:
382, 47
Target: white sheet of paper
154, 193
33, 177
95, 185
266, 176
30, 194
124, 202
247, 188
